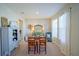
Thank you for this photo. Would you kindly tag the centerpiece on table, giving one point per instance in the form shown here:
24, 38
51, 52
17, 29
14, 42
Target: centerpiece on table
37, 34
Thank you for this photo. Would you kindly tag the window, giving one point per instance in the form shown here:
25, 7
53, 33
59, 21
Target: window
54, 28
62, 28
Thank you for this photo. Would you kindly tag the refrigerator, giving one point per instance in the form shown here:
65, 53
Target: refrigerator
4, 41
0, 41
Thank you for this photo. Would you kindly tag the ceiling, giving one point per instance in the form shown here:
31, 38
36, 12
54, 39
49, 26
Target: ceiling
35, 10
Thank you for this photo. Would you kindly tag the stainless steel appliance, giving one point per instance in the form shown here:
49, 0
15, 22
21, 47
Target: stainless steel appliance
4, 40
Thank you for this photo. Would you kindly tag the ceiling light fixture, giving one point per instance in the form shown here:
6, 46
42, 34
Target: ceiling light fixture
37, 12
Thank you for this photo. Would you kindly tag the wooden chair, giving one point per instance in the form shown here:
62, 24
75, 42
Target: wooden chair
31, 44
42, 44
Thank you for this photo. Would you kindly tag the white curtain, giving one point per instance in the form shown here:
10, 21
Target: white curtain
62, 28
64, 32
54, 28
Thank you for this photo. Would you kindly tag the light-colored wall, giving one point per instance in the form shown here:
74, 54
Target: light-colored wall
44, 22
49, 25
75, 29
72, 29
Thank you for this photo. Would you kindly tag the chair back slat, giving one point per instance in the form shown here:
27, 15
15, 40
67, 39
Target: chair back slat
31, 41
42, 40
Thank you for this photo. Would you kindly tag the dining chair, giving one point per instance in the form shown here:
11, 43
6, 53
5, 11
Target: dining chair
31, 44
42, 44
